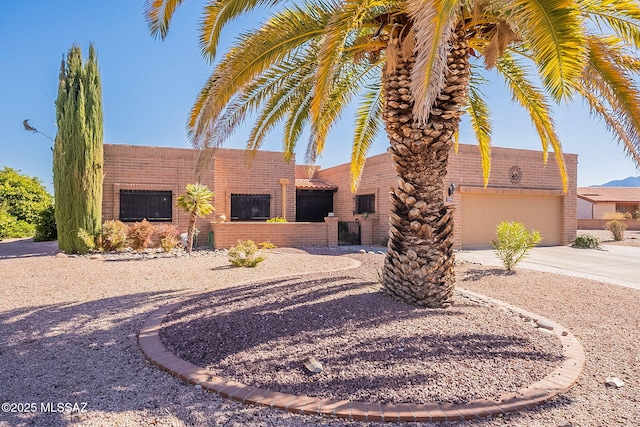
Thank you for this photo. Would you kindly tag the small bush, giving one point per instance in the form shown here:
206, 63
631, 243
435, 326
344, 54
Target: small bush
168, 235
613, 215
139, 234
586, 241
267, 245
514, 242
12, 227
114, 235
46, 229
617, 229
628, 215
277, 219
244, 254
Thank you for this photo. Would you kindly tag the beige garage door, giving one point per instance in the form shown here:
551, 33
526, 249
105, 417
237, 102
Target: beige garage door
481, 213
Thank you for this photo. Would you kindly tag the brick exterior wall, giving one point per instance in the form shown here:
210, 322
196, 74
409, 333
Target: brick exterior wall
238, 173
465, 170
233, 172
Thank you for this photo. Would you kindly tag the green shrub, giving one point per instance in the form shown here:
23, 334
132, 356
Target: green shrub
114, 235
46, 226
586, 241
139, 234
168, 235
617, 229
244, 254
12, 227
267, 245
91, 243
277, 219
514, 242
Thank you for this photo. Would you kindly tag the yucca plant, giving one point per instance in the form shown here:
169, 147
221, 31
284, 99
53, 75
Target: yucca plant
415, 66
197, 202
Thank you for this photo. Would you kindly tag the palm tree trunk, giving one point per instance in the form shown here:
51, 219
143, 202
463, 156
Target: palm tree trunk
191, 231
419, 265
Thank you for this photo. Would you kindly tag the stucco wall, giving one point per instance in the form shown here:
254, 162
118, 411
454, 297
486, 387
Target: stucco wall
584, 209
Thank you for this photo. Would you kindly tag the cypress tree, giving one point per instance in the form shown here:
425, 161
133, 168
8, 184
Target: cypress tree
78, 153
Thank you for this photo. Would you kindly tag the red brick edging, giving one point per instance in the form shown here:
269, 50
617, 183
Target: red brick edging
558, 381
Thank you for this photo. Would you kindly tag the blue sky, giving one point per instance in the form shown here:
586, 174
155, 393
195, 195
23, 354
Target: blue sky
149, 87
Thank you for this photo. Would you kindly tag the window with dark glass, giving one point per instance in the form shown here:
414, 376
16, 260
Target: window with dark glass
136, 205
250, 207
366, 204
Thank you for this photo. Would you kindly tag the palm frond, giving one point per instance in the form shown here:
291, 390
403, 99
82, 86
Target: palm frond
253, 53
533, 100
480, 117
158, 14
554, 33
433, 25
623, 17
367, 126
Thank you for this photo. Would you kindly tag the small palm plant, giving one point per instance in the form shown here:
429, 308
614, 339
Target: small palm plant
197, 202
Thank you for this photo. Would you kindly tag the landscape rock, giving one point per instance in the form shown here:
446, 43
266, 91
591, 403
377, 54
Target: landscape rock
313, 365
614, 382
61, 255
542, 323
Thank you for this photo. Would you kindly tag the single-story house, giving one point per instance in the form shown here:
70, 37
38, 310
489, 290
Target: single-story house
608, 202
144, 182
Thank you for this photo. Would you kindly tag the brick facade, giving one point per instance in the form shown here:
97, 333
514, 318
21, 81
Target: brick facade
234, 172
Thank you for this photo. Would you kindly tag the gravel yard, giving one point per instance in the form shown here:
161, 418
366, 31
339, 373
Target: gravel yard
68, 334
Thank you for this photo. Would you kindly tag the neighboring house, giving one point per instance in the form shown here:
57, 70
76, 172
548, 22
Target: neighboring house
143, 182
608, 202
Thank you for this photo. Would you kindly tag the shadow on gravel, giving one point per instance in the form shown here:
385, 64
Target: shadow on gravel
477, 274
26, 248
78, 354
364, 337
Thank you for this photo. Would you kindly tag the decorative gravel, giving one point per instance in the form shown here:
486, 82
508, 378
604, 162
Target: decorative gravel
372, 347
69, 326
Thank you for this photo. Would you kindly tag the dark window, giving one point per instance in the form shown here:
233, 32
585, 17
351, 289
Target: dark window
366, 203
313, 205
250, 207
136, 205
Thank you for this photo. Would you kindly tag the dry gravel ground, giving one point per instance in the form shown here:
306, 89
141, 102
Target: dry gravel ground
68, 333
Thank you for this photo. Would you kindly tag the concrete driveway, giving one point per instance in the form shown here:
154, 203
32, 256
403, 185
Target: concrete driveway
619, 265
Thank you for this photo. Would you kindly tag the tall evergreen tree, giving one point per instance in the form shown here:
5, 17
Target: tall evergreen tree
77, 154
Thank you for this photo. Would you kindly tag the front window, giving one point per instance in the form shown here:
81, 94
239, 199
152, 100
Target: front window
250, 207
136, 205
366, 204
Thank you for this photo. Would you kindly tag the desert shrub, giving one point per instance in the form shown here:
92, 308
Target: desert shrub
277, 219
617, 229
514, 242
637, 214
114, 235
46, 226
586, 241
139, 234
168, 235
628, 215
244, 254
267, 245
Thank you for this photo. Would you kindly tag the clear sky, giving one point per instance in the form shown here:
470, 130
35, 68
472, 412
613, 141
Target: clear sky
149, 86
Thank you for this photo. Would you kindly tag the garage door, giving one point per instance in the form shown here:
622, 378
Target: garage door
481, 213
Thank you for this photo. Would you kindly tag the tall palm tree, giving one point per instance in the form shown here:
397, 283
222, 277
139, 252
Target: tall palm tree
416, 64
197, 202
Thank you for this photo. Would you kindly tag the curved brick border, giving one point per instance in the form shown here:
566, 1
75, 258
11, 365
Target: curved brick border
558, 381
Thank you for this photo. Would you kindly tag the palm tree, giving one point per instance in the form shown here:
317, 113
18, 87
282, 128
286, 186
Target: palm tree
196, 201
417, 65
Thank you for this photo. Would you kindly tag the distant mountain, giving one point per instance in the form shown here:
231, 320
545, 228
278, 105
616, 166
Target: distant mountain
632, 181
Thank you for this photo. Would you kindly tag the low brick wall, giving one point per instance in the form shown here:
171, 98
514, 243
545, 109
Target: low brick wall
287, 234
598, 224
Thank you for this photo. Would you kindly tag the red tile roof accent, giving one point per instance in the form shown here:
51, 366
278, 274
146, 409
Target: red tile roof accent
609, 194
314, 184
